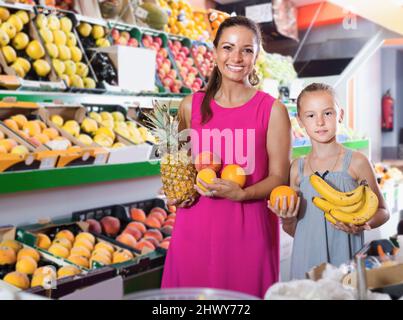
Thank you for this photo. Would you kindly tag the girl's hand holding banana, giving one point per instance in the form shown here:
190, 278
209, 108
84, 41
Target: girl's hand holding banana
351, 228
286, 213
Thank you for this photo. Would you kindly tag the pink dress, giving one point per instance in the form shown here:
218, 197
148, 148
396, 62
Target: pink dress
223, 244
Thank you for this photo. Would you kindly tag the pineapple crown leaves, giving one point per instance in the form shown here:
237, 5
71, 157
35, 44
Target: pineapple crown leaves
165, 127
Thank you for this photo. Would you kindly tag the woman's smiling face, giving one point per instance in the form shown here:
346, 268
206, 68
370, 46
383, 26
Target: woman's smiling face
236, 53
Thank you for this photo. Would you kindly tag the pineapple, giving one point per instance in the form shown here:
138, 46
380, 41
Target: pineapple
177, 170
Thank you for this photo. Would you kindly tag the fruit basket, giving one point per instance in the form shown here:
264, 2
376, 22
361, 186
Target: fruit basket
71, 122
57, 29
19, 147
113, 224
202, 54
32, 270
168, 80
95, 33
180, 52
124, 140
22, 52
71, 241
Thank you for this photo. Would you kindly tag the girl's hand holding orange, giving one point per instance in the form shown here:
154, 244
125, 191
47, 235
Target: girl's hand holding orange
286, 212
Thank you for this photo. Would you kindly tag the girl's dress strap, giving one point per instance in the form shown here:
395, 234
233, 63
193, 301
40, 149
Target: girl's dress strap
347, 159
301, 167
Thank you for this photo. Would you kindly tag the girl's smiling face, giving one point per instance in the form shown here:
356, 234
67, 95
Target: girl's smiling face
319, 115
236, 53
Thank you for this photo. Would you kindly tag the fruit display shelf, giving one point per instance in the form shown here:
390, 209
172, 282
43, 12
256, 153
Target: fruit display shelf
13, 182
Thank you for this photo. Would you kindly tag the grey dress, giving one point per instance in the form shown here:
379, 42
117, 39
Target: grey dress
316, 241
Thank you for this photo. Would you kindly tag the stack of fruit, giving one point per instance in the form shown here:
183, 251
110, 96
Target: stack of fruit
36, 132
92, 36
149, 231
61, 4
183, 21
27, 268
216, 18
62, 46
166, 72
108, 124
275, 66
10, 146
354, 207
203, 57
208, 165
185, 65
82, 249
18, 49
124, 38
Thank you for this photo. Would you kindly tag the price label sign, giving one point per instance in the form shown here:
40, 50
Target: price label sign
260, 13
100, 159
48, 163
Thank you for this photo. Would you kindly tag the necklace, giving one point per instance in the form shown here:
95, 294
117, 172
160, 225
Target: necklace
327, 171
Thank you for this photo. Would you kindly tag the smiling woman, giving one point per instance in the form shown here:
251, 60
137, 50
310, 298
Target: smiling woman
227, 238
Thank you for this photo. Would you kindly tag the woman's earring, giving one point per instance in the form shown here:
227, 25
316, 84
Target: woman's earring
254, 78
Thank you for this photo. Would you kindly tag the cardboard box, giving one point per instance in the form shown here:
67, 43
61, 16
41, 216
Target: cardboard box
32, 80
129, 61
92, 154
38, 158
131, 153
66, 157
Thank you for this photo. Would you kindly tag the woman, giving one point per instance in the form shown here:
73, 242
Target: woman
228, 239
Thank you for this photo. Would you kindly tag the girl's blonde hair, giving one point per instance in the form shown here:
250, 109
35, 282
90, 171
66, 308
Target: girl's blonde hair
314, 87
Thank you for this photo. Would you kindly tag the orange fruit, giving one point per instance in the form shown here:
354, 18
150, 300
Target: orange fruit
17, 279
207, 175
80, 251
7, 256
63, 242
86, 235
65, 234
67, 271
13, 244
235, 174
43, 241
26, 265
79, 260
104, 245
281, 192
29, 252
84, 243
59, 251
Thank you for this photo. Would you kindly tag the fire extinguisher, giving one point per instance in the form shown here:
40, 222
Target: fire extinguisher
387, 112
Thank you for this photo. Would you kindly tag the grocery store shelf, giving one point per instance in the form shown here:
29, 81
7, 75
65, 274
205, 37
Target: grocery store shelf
145, 100
13, 182
355, 145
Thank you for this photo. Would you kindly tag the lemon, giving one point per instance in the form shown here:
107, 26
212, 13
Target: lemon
42, 67
9, 54
35, 50
20, 41
76, 54
24, 63
53, 50
47, 35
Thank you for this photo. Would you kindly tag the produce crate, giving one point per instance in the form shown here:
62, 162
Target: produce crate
146, 259
89, 74
28, 78
180, 52
39, 156
28, 235
137, 149
163, 58
89, 154
100, 62
55, 288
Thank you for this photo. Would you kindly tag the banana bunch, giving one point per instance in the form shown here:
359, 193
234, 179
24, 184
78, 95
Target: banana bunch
355, 207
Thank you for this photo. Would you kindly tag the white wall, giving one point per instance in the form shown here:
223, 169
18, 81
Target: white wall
368, 92
389, 77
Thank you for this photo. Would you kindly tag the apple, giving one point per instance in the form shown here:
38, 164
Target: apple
133, 43
168, 81
163, 52
115, 34
155, 46
173, 73
177, 44
186, 51
125, 35
175, 89
158, 40
202, 49
94, 226
121, 41
146, 43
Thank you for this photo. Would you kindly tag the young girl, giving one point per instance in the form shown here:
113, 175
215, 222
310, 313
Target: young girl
315, 239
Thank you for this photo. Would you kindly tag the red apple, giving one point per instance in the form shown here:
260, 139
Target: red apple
133, 43
158, 40
115, 34
94, 226
173, 73
168, 81
202, 49
163, 52
177, 44
186, 51
110, 226
121, 41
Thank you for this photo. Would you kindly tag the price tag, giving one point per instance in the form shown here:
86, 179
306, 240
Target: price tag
260, 13
100, 159
48, 163
141, 13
